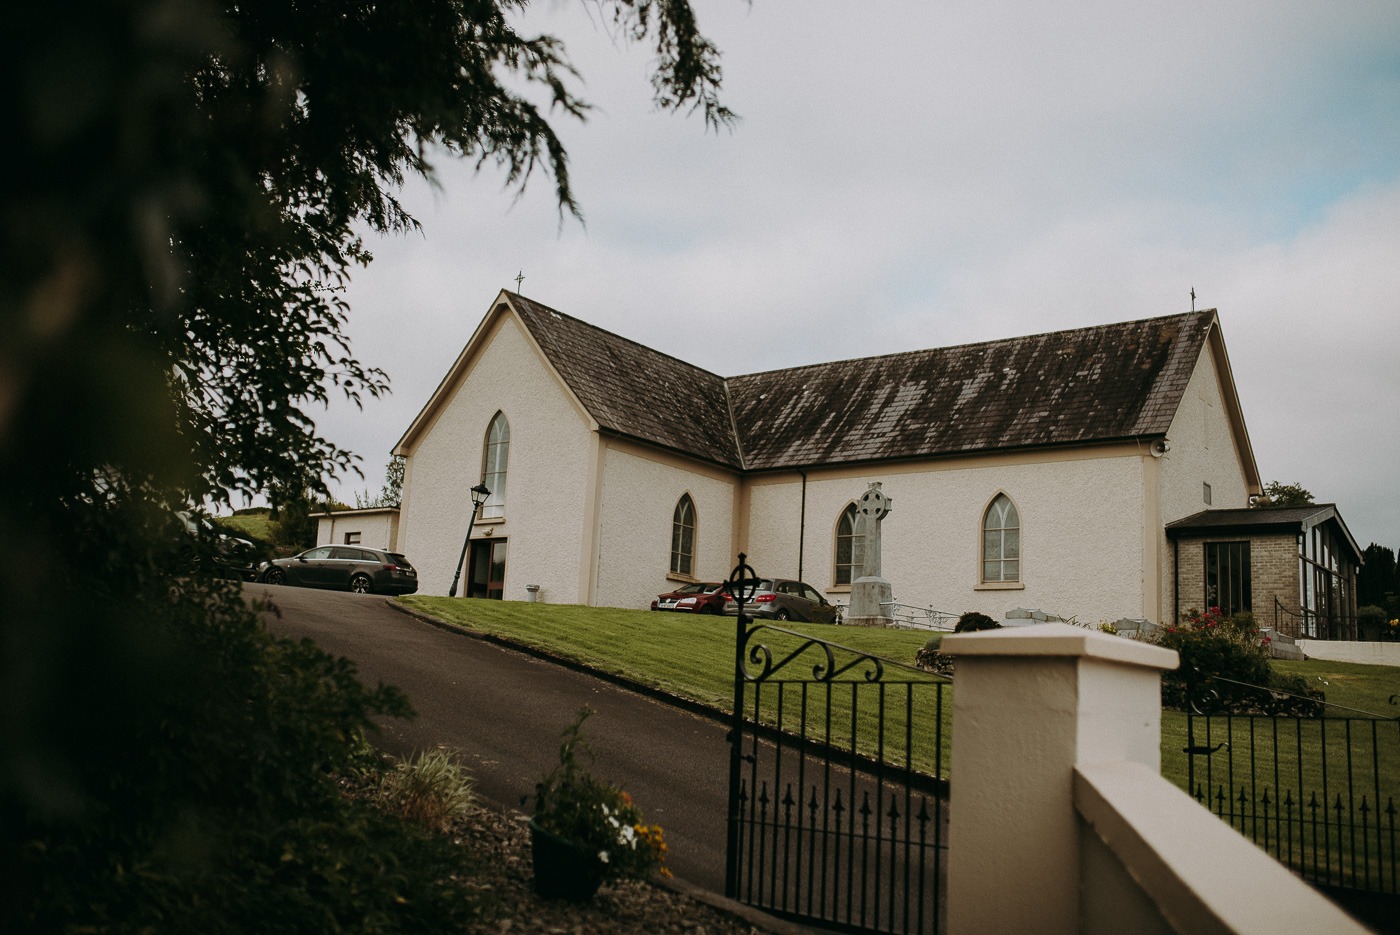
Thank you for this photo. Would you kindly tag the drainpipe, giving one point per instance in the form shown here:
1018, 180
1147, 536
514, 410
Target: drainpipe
802, 528
1176, 579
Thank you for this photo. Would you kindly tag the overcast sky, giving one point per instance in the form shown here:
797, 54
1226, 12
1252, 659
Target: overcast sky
919, 174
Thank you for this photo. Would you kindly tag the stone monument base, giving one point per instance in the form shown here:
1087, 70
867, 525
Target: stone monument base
868, 596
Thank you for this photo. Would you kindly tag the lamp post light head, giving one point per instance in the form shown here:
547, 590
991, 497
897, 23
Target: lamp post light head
479, 494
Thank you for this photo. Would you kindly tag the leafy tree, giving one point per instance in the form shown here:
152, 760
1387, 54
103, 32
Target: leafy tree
1376, 578
1280, 494
391, 494
185, 184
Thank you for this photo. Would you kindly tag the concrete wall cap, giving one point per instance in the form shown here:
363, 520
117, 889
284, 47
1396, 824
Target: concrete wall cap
1058, 639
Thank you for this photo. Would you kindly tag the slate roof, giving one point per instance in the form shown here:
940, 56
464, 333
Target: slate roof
632, 390
1262, 520
1067, 387
1104, 383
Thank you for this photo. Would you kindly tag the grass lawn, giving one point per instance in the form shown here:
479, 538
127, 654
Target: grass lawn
255, 525
687, 655
693, 656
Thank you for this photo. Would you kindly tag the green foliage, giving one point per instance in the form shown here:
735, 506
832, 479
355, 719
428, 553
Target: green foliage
391, 494
973, 621
1378, 578
1280, 494
253, 525
601, 817
1213, 646
430, 789
188, 186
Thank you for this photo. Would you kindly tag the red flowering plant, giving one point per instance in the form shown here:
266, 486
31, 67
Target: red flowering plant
1225, 668
1212, 645
597, 816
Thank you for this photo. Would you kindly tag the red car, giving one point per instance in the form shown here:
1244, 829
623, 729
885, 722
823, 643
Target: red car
704, 597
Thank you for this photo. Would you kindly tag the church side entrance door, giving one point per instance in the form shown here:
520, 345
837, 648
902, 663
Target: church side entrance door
486, 569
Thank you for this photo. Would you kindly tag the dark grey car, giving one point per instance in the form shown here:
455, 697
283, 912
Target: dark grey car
345, 568
785, 599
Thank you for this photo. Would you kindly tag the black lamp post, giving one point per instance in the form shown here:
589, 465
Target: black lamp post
479, 495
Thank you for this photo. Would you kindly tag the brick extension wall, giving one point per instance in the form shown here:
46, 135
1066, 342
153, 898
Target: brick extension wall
1273, 569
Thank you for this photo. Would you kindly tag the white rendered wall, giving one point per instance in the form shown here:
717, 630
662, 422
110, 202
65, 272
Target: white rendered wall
640, 491
377, 530
546, 474
1081, 531
1202, 451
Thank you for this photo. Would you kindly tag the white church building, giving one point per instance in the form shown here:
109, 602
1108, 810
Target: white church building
1035, 472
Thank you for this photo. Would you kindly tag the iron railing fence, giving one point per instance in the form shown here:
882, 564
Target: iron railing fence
838, 794
914, 617
1314, 784
1313, 624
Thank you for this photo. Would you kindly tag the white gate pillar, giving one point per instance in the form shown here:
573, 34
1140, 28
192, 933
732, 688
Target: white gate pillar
1029, 705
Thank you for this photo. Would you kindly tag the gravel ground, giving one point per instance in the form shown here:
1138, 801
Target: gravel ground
500, 844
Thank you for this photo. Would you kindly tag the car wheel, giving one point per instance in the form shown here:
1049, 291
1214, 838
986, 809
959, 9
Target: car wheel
783, 614
360, 584
275, 576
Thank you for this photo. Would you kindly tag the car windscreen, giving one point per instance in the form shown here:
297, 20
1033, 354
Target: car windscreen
396, 558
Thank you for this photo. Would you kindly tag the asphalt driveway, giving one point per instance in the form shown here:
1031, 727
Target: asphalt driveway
504, 711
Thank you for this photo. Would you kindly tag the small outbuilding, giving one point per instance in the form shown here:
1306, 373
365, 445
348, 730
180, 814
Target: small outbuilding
376, 527
1293, 567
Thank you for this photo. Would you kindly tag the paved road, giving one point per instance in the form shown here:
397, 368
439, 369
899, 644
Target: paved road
505, 711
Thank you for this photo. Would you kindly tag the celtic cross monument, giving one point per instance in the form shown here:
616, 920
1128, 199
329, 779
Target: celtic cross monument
870, 593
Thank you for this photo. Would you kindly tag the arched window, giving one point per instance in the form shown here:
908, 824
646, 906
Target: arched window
683, 537
1001, 541
850, 547
495, 453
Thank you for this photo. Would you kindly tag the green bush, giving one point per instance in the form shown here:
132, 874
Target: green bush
1370, 621
1213, 647
190, 779
973, 621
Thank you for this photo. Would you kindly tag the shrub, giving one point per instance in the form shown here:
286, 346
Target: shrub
972, 621
429, 789
1211, 645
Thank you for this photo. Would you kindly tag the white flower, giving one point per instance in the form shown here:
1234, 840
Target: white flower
627, 836
603, 856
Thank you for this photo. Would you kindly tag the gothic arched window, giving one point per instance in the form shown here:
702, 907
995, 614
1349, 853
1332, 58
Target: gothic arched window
683, 537
1001, 541
494, 455
850, 548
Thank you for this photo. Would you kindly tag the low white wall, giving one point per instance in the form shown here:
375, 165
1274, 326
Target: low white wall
1198, 874
1056, 787
1374, 654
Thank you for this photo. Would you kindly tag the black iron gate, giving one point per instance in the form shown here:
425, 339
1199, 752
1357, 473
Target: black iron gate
837, 797
1313, 783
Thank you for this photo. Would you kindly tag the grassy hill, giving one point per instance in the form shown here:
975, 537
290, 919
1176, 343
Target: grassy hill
255, 524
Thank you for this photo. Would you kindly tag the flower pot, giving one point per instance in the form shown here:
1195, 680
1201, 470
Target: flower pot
564, 869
